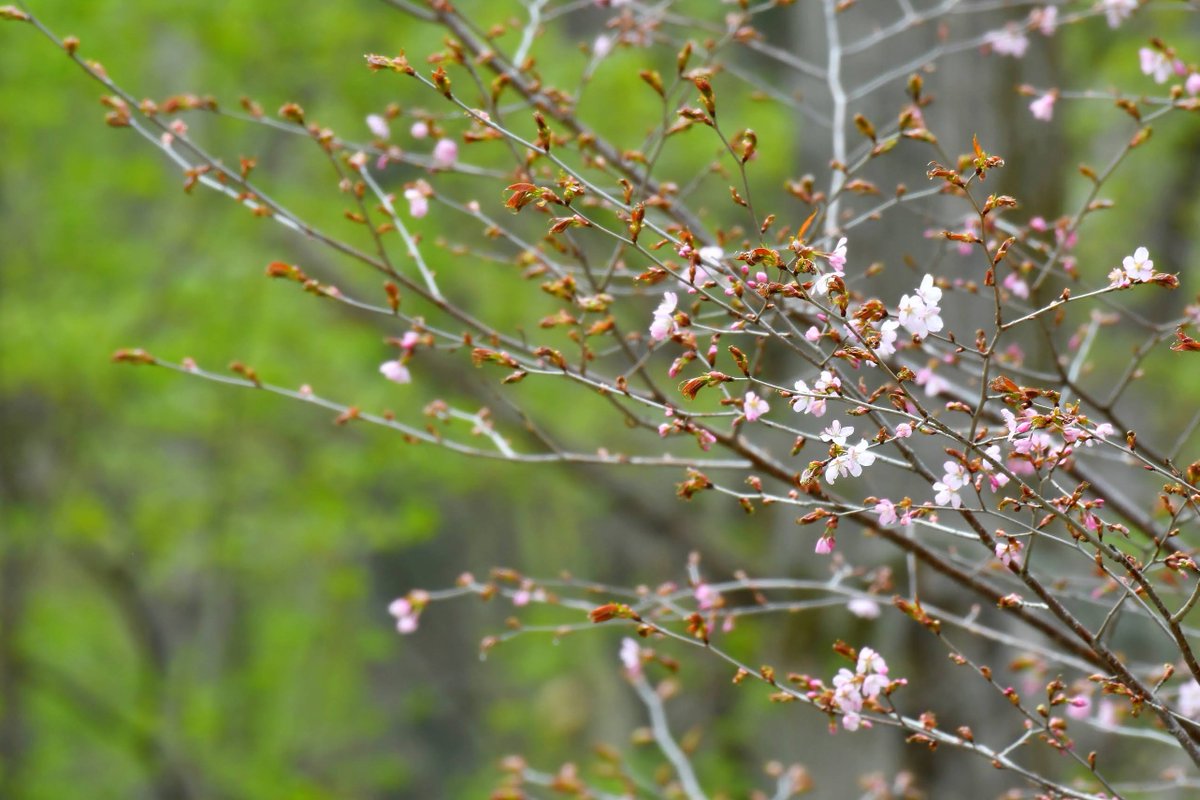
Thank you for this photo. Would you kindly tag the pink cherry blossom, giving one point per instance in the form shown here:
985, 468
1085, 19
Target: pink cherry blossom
1117, 10
395, 371
631, 657
837, 259
1156, 64
1017, 285
1188, 703
1139, 267
1043, 107
1009, 41
904, 430
1045, 19
825, 545
850, 462
419, 130
1009, 552
863, 608
836, 433
754, 406
706, 596
406, 614
1192, 84
886, 510
445, 153
378, 126
664, 317
418, 203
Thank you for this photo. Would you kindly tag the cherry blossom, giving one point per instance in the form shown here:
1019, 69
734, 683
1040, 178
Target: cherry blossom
837, 259
1117, 10
851, 690
418, 203
706, 596
754, 406
664, 324
947, 491
810, 400
1192, 84
1188, 703
886, 510
1043, 107
419, 130
395, 371
1045, 20
1156, 64
904, 430
919, 312
1009, 41
825, 545
631, 657
850, 461
378, 126
1138, 266
836, 433
887, 338
1009, 552
406, 613
445, 153
863, 608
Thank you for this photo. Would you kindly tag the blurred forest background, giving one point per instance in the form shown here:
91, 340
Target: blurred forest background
194, 579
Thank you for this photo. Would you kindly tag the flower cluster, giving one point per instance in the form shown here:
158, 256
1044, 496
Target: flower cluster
919, 312
852, 691
812, 401
407, 610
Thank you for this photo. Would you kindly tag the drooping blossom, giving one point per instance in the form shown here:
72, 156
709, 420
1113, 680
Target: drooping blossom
1009, 41
754, 406
445, 153
825, 545
1043, 107
1156, 64
395, 371
664, 317
1117, 10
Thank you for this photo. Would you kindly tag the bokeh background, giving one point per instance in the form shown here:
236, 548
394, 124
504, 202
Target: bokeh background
194, 579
